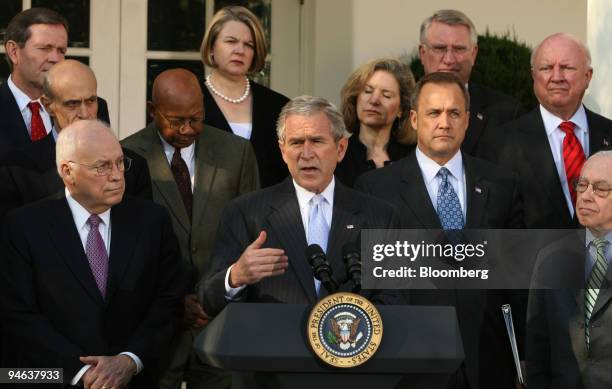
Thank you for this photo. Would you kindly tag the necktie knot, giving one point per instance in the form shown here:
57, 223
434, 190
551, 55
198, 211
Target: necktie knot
317, 200
94, 221
444, 173
600, 243
567, 127
34, 106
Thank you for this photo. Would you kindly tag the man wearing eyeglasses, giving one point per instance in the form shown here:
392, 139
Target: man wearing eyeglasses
196, 169
548, 146
91, 279
569, 330
449, 43
29, 173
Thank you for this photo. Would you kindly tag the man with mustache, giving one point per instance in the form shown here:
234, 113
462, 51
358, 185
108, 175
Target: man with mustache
548, 146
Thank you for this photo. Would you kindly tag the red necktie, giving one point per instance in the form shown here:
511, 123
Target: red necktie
37, 128
573, 156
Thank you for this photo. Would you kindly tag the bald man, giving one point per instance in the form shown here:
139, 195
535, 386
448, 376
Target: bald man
195, 169
29, 172
547, 146
91, 280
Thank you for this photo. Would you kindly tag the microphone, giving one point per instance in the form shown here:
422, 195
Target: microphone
321, 268
352, 260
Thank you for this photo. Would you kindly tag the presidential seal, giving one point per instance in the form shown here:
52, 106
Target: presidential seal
344, 329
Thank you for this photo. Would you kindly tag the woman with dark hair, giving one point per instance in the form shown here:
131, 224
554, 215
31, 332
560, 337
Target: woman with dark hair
376, 110
234, 47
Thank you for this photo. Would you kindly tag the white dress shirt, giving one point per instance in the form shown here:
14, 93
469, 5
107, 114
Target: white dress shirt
187, 154
555, 140
80, 216
303, 197
430, 169
22, 102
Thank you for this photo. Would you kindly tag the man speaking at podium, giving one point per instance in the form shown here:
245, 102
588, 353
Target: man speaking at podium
259, 253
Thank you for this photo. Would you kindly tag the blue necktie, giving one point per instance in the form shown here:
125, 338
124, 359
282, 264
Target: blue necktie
318, 230
448, 206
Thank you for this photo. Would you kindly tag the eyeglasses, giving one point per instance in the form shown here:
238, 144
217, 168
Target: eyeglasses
180, 123
442, 49
105, 168
600, 189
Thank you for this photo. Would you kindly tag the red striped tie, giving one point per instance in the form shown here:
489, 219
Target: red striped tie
573, 156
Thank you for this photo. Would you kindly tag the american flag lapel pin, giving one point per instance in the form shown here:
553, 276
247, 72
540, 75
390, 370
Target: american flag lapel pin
478, 190
606, 143
350, 226
479, 116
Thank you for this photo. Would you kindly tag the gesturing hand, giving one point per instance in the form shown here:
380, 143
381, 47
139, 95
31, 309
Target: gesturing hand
256, 263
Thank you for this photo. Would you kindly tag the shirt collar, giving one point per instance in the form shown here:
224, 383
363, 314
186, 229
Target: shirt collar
80, 214
20, 97
304, 196
430, 168
590, 237
551, 121
187, 153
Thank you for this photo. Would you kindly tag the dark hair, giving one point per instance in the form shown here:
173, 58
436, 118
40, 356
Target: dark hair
439, 78
18, 29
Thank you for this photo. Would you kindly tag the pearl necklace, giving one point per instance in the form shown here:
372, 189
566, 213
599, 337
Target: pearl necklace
239, 100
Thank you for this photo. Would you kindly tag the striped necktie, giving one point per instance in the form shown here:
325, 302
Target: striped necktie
594, 283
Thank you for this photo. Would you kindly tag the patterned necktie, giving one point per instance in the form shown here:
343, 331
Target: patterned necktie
95, 249
594, 283
448, 206
183, 179
573, 156
37, 128
318, 230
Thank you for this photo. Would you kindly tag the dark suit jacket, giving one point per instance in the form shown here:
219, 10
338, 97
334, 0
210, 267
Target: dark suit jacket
556, 347
13, 130
225, 168
29, 173
267, 105
276, 210
526, 151
488, 360
489, 109
53, 310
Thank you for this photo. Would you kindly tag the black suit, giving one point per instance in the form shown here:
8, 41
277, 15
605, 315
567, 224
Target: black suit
266, 107
29, 174
526, 150
488, 110
53, 309
491, 200
13, 130
276, 210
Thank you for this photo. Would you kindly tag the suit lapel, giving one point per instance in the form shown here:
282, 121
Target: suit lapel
124, 234
65, 236
414, 194
343, 226
162, 178
477, 193
16, 129
205, 172
599, 138
477, 120
536, 149
287, 223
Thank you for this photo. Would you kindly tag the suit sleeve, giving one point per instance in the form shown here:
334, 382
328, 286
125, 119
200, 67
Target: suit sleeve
152, 338
25, 328
231, 240
538, 351
137, 178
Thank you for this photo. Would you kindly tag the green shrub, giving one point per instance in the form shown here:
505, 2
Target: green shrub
502, 64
